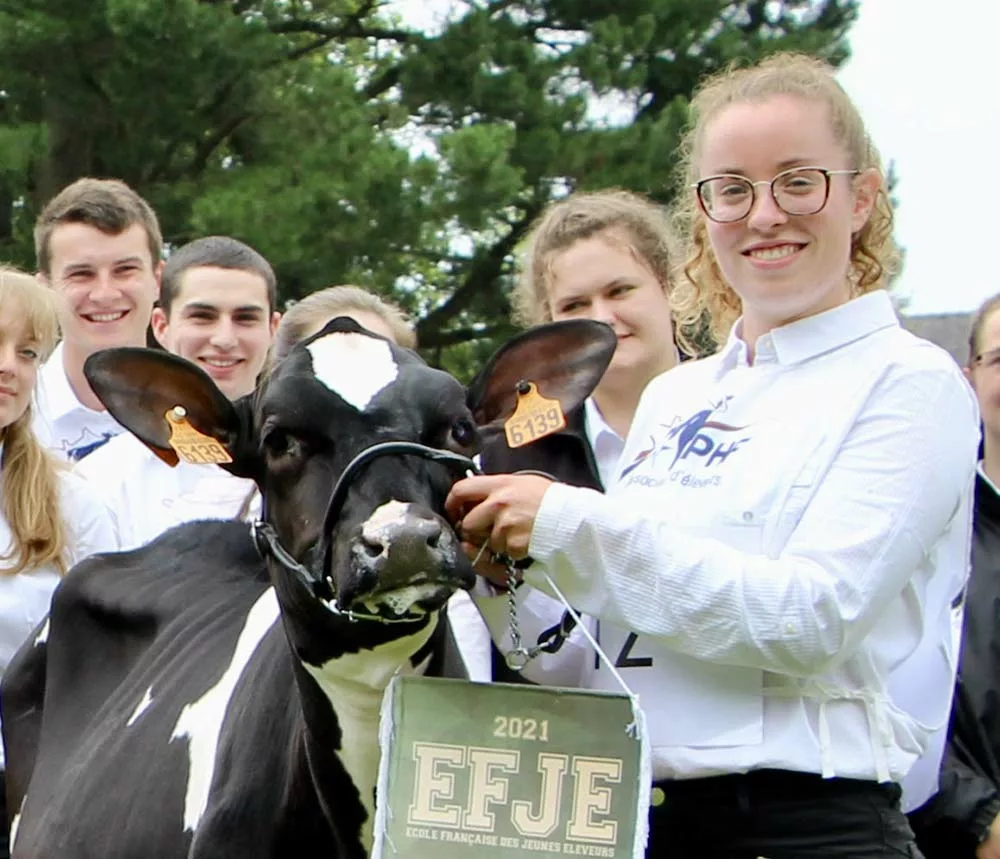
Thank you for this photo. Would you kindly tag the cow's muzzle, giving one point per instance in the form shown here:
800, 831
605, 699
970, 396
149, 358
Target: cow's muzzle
404, 559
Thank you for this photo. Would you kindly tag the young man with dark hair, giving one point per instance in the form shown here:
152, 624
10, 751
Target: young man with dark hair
217, 311
98, 244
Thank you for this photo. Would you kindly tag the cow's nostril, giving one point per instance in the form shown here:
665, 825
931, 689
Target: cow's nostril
372, 549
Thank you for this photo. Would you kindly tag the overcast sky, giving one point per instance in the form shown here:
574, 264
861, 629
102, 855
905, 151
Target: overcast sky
925, 78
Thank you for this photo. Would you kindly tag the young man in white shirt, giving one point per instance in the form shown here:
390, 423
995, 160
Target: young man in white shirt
98, 244
217, 311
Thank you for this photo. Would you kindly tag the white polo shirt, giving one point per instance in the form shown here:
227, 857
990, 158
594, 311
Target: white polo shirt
784, 538
61, 422
25, 597
146, 496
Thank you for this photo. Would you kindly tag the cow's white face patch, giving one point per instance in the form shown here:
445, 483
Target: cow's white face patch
354, 366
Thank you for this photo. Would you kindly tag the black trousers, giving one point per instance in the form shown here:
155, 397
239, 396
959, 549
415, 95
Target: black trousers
777, 814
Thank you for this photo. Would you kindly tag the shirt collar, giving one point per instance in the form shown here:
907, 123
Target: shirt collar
806, 338
59, 397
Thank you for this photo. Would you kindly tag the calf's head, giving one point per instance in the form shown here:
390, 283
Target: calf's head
376, 535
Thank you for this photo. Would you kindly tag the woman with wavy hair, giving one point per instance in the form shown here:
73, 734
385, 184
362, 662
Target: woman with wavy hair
790, 523
49, 519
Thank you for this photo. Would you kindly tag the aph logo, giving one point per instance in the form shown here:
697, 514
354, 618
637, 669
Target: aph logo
694, 437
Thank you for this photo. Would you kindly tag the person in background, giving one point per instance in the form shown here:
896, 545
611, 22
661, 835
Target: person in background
603, 255
217, 310
790, 521
49, 519
962, 820
98, 245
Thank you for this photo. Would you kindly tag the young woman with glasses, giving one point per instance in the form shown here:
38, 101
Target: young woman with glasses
790, 523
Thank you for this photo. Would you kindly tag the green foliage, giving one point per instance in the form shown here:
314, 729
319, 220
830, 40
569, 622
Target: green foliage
350, 148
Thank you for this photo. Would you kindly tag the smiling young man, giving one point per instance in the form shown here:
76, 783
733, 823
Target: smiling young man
98, 245
217, 311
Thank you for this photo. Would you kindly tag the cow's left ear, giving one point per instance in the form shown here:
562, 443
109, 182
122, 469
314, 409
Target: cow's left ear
565, 360
139, 386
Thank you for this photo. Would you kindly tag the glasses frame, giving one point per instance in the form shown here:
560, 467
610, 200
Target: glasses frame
697, 186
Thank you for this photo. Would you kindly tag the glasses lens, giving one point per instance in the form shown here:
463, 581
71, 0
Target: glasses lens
726, 198
801, 191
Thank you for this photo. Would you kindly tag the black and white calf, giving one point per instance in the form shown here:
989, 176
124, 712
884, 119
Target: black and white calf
189, 699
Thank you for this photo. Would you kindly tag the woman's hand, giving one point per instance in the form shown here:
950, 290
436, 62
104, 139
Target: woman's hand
498, 509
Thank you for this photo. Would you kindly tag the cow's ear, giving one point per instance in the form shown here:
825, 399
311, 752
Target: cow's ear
565, 360
139, 386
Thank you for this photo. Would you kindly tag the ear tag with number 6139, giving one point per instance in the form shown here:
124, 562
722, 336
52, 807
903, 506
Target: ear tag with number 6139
535, 416
191, 445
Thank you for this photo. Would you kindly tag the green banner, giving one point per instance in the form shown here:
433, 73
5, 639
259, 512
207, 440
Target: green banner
499, 770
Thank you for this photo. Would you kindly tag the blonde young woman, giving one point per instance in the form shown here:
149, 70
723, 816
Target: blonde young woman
603, 255
48, 517
790, 523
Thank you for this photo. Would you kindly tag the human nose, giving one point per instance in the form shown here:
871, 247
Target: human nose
8, 359
103, 287
765, 211
223, 334
602, 311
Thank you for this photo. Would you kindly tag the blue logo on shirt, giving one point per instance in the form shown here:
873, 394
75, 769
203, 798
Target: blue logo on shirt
692, 437
86, 444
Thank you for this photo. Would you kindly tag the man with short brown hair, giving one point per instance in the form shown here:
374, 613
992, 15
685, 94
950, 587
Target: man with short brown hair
98, 244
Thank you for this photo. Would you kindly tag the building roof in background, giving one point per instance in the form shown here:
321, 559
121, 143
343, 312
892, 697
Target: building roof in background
950, 331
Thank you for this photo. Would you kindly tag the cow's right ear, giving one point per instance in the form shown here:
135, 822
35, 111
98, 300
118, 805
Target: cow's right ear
139, 386
565, 360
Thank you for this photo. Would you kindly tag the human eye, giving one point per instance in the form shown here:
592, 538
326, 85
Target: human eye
620, 290
29, 353
574, 305
800, 181
731, 187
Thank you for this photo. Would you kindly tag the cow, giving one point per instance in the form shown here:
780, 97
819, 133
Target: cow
216, 692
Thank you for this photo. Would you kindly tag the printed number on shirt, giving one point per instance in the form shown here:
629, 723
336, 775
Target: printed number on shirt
628, 656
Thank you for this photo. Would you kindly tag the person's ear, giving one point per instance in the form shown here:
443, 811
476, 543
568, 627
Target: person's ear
159, 323
866, 187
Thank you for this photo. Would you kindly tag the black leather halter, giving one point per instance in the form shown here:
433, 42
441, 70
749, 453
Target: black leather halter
321, 586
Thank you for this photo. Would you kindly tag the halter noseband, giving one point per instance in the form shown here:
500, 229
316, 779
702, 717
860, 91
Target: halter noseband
268, 544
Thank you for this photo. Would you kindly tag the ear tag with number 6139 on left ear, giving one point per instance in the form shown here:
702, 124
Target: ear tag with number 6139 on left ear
189, 444
535, 416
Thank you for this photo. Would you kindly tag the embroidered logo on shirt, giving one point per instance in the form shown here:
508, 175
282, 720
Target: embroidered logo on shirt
694, 437
85, 445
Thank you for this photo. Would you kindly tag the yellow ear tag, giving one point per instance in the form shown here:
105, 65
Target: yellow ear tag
535, 417
191, 445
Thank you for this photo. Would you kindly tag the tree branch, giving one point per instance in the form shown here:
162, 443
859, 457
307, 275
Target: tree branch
485, 269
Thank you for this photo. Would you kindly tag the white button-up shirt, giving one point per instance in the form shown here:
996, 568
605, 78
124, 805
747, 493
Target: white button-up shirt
61, 422
146, 496
783, 539
25, 597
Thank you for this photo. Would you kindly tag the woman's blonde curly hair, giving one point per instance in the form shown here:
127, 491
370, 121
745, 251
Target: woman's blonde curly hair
701, 294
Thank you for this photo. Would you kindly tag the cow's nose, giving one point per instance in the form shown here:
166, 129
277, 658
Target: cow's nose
402, 545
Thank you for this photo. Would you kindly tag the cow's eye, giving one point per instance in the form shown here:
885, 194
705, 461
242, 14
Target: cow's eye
279, 443
463, 433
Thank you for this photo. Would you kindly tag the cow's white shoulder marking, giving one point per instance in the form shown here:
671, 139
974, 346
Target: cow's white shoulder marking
201, 721
141, 708
43, 634
354, 366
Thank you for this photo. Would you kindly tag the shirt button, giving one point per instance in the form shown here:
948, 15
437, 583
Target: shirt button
790, 629
657, 797
747, 516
